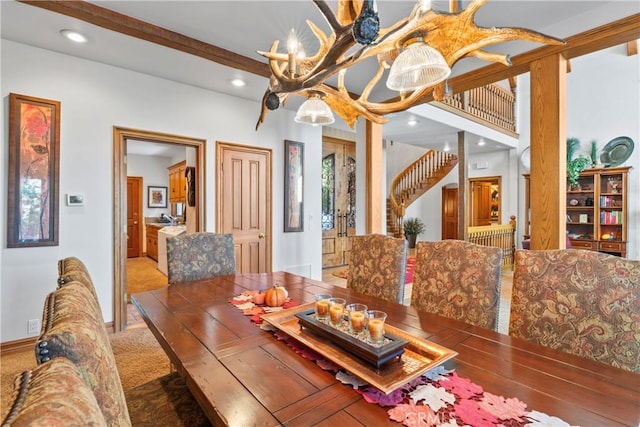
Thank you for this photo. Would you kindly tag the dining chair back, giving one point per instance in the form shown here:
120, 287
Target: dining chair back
459, 280
582, 302
72, 269
199, 256
377, 266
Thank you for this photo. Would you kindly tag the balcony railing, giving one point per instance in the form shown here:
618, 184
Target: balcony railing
492, 104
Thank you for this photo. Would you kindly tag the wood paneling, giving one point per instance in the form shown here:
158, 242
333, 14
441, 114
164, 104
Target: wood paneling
374, 191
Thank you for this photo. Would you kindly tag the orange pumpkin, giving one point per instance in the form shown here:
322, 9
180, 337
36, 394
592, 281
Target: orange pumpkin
275, 296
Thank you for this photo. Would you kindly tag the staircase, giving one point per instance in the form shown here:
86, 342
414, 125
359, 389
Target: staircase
415, 180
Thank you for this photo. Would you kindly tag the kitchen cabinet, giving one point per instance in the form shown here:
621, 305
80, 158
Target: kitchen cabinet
177, 182
152, 241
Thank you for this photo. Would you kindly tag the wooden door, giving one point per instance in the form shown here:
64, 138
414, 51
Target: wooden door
244, 204
338, 201
449, 213
134, 216
480, 203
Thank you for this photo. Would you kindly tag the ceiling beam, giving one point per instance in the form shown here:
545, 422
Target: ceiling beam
133, 27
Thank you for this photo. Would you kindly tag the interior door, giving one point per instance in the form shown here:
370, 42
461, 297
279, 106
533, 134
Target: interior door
134, 212
338, 200
481, 203
244, 204
449, 213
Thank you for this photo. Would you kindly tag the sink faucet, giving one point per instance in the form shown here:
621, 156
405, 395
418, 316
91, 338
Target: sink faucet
169, 218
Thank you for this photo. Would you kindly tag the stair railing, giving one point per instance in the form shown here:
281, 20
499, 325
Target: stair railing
410, 183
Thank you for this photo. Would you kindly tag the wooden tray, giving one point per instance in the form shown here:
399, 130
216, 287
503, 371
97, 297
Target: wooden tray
419, 354
376, 355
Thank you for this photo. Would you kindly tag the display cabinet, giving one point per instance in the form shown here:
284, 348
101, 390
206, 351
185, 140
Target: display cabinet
596, 210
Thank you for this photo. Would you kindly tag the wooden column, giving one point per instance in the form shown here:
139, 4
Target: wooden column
374, 190
463, 197
548, 153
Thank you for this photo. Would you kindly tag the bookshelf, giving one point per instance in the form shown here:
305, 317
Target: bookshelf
597, 211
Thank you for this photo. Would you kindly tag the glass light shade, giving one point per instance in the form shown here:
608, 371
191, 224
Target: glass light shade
417, 67
314, 111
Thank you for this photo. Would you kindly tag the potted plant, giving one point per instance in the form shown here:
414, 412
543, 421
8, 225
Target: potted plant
574, 167
412, 228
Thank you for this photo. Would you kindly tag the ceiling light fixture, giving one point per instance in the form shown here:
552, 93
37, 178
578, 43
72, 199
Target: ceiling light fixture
73, 36
481, 143
443, 36
446, 147
412, 122
238, 82
314, 111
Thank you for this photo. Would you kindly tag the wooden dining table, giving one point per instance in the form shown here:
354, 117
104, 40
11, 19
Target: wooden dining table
242, 375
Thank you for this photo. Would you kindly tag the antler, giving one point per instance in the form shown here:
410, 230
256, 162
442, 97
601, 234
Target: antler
454, 34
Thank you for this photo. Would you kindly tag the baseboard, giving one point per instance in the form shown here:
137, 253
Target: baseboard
16, 346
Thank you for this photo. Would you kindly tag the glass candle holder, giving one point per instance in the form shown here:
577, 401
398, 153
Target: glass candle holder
336, 310
357, 315
322, 306
375, 325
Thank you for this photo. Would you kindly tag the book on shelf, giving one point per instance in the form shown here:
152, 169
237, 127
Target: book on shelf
611, 217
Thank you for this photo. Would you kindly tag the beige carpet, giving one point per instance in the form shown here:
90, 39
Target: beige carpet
143, 275
138, 355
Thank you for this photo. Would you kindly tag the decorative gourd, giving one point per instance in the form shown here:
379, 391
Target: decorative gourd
275, 296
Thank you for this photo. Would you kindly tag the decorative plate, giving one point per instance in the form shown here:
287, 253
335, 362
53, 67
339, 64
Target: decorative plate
617, 151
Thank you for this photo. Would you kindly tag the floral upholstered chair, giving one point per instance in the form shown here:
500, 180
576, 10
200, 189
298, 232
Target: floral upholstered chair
72, 269
74, 330
377, 266
54, 393
459, 280
581, 302
199, 256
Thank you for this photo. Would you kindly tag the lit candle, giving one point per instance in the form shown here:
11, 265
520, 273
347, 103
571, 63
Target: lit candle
357, 321
336, 312
376, 329
322, 308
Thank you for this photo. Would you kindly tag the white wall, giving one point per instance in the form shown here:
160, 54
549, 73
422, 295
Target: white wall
95, 97
603, 102
153, 170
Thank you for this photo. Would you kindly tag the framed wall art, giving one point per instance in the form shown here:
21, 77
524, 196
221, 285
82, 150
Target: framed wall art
293, 186
157, 197
34, 169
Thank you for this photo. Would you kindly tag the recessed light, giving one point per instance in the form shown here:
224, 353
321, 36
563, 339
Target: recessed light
412, 122
481, 143
73, 36
238, 82
446, 147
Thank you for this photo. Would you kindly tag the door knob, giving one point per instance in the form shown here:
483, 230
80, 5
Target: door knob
135, 222
261, 236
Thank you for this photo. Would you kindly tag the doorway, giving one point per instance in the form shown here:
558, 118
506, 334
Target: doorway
120, 246
243, 179
338, 200
485, 200
449, 213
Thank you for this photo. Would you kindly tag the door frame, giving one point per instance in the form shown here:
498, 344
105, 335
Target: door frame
221, 146
120, 137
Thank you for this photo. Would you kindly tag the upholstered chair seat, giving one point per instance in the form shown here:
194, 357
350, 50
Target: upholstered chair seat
459, 280
53, 394
582, 302
377, 266
199, 256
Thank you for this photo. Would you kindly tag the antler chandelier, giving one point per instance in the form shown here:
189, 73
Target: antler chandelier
419, 50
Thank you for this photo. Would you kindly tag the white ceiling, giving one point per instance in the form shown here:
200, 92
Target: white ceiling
247, 26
